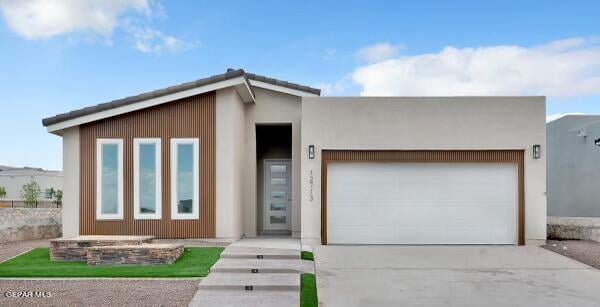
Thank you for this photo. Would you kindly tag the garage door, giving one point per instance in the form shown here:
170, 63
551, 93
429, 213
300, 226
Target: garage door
422, 203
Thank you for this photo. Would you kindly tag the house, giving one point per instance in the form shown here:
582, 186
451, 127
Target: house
573, 166
12, 180
239, 154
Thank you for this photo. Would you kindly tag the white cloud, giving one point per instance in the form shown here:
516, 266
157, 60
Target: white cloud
563, 68
378, 52
556, 116
148, 40
42, 19
341, 87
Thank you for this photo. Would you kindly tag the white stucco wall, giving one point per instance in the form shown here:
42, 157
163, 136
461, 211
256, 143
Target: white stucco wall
573, 167
270, 108
230, 152
424, 123
13, 182
71, 156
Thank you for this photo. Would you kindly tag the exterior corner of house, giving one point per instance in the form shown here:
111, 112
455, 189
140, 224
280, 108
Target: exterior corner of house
229, 165
71, 182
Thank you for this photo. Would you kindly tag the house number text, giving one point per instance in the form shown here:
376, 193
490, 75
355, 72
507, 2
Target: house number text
310, 183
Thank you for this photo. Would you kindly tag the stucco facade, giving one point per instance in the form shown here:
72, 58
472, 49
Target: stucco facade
398, 123
271, 108
246, 102
71, 182
237, 167
573, 166
13, 179
230, 148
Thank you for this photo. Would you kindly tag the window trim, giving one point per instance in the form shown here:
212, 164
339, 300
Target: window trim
157, 215
195, 142
99, 214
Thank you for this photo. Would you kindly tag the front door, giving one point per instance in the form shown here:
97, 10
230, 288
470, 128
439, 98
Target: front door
278, 195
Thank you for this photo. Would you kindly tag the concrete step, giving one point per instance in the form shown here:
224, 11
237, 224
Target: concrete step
241, 265
241, 298
249, 281
260, 253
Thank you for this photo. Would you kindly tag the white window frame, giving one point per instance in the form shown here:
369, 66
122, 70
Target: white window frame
195, 142
99, 214
157, 215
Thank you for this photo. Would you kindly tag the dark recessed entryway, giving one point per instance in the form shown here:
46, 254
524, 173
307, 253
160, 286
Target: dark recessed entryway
274, 184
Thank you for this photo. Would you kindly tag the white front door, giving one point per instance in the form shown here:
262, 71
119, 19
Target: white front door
278, 195
422, 203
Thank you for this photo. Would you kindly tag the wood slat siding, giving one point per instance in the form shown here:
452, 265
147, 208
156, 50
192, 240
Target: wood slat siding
444, 156
192, 117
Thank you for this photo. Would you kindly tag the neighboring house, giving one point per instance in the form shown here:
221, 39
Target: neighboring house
13, 179
239, 154
573, 166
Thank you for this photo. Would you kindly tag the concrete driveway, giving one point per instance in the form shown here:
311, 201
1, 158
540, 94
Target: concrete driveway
452, 276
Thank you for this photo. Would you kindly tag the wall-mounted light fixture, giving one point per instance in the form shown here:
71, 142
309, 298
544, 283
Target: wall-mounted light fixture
597, 142
537, 151
311, 151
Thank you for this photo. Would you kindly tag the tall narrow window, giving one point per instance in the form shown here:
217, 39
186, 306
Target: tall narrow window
147, 179
109, 179
185, 182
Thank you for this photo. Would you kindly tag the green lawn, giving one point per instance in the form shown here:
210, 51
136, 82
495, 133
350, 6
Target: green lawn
308, 292
195, 262
307, 256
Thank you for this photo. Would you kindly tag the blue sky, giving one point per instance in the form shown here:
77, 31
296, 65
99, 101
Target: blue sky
63, 58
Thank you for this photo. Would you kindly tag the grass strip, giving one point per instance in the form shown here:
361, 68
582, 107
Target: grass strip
308, 292
195, 262
307, 256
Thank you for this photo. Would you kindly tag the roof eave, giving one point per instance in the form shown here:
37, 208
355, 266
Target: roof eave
239, 83
243, 83
283, 89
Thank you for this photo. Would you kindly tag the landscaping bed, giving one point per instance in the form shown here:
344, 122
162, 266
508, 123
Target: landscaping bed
305, 255
308, 284
587, 252
195, 262
308, 290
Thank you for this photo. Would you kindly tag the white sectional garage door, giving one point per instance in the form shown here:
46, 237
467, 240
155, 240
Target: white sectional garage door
422, 203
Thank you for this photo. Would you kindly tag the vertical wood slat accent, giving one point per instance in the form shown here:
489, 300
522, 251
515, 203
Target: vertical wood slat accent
192, 117
427, 156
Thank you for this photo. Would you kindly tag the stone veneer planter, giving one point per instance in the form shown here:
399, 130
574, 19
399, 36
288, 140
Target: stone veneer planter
134, 254
578, 228
75, 249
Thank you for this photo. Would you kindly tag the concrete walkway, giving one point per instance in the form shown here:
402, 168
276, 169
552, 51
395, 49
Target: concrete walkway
255, 272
